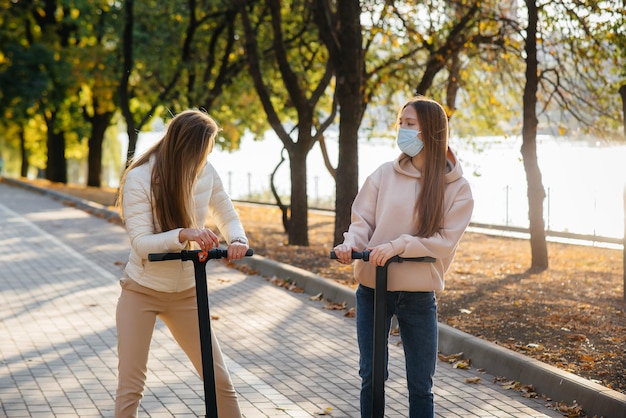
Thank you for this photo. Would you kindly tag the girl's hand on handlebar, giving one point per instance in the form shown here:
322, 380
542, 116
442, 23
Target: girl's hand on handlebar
381, 253
344, 253
205, 238
237, 250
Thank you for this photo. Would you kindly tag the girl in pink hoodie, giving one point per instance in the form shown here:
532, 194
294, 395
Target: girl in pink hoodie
416, 206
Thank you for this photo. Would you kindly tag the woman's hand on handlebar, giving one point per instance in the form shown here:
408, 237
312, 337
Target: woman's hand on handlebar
380, 254
344, 253
205, 238
237, 250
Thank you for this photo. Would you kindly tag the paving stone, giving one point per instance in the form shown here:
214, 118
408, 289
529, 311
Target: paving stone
288, 356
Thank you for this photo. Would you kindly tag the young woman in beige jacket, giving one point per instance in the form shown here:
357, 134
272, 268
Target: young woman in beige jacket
418, 205
165, 196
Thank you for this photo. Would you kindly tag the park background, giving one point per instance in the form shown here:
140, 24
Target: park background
523, 83
585, 178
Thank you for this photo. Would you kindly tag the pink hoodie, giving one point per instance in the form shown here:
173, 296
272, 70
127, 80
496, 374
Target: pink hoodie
385, 211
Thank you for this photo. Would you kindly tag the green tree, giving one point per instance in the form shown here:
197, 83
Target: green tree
177, 55
23, 82
566, 52
291, 86
50, 24
97, 74
536, 191
381, 51
340, 29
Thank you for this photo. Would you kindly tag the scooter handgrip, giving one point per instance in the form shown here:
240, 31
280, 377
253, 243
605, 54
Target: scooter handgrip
223, 253
163, 256
363, 255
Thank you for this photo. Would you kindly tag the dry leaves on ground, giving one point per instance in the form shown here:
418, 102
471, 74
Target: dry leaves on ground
570, 316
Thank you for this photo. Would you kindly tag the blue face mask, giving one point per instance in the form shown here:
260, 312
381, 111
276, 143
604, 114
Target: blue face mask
408, 142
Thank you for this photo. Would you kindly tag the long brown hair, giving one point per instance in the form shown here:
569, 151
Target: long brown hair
178, 158
433, 123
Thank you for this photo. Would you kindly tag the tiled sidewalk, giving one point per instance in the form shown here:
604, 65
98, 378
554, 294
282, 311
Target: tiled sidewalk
288, 355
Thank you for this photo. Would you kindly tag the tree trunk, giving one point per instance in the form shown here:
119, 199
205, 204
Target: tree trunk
346, 182
350, 67
99, 124
127, 67
56, 166
298, 222
341, 32
23, 153
536, 192
622, 93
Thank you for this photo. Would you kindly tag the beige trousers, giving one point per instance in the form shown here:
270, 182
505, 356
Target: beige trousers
137, 310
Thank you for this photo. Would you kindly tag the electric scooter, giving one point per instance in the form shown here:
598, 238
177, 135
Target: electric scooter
380, 330
200, 259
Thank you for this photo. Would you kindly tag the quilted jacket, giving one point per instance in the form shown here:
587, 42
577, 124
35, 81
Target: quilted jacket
147, 237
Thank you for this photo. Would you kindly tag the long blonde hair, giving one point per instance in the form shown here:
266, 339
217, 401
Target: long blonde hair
178, 159
433, 123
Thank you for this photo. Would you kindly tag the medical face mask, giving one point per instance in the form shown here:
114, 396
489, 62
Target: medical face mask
408, 142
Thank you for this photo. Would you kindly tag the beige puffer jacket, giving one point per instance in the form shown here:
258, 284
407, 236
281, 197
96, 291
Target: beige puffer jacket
146, 237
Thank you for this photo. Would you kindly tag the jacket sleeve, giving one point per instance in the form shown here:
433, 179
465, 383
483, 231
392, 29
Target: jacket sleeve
444, 243
222, 211
139, 220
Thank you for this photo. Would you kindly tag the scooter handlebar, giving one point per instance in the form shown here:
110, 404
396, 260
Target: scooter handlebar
185, 255
356, 255
365, 256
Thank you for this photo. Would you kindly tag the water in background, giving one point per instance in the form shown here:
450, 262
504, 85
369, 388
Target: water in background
585, 183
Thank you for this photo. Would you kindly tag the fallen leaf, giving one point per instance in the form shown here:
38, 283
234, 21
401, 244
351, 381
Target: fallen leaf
335, 306
317, 297
450, 358
464, 365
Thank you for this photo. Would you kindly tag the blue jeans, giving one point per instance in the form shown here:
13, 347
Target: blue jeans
417, 320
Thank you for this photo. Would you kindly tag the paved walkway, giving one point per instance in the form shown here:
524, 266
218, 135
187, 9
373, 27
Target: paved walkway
288, 356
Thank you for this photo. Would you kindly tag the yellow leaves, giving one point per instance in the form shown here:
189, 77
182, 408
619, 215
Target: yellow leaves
462, 364
287, 284
570, 411
333, 306
576, 337
450, 358
527, 391
456, 360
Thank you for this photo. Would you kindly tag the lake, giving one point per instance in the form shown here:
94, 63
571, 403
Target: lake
584, 182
